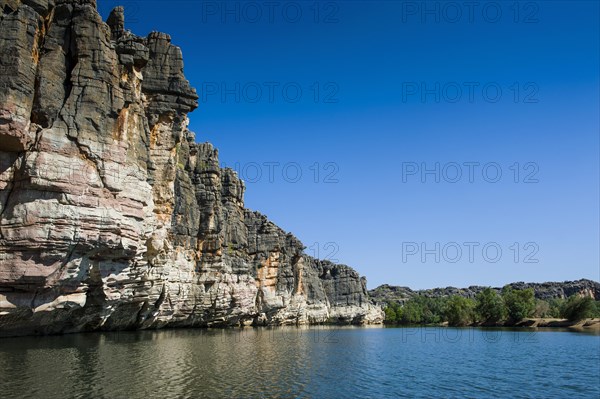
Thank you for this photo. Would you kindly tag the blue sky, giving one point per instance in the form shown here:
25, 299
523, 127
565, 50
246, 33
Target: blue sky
332, 110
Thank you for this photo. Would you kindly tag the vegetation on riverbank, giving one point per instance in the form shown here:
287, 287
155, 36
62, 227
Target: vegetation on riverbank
510, 307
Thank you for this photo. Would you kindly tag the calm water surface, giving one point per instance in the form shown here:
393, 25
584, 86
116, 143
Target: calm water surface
311, 363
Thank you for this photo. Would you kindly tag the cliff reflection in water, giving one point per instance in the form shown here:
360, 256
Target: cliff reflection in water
317, 362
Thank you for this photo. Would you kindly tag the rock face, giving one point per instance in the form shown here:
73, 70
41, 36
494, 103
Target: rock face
111, 215
545, 291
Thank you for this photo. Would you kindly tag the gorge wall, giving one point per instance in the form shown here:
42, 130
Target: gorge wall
111, 215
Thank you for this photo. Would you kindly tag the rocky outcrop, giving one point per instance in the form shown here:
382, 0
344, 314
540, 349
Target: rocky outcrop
388, 294
111, 215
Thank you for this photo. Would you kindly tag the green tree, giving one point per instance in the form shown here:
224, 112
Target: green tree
542, 308
390, 315
489, 306
556, 307
399, 314
578, 308
459, 310
436, 310
519, 303
412, 312
596, 314
431, 309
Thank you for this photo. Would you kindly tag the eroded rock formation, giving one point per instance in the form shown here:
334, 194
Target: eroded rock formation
546, 291
111, 215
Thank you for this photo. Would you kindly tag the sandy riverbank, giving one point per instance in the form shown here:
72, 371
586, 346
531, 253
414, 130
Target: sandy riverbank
586, 324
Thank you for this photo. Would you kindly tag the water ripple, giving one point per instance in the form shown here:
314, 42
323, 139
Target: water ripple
303, 363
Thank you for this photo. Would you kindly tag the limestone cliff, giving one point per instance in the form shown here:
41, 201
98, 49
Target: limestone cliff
111, 215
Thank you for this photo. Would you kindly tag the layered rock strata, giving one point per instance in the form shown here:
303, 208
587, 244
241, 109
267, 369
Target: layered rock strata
111, 215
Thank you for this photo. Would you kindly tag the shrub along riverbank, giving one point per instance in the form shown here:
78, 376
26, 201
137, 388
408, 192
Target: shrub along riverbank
489, 308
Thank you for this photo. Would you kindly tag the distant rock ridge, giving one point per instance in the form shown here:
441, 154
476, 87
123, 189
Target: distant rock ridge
545, 291
111, 215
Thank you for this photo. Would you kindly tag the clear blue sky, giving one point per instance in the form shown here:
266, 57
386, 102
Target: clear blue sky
376, 120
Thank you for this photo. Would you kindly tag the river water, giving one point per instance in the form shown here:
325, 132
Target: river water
318, 362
